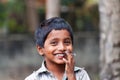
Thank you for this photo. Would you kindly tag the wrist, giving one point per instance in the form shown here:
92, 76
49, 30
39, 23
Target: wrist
71, 77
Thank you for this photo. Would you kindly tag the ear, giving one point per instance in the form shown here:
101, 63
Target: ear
40, 50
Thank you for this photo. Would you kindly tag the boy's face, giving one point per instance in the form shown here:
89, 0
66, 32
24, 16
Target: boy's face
56, 43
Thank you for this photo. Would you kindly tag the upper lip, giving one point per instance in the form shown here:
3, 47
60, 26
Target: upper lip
59, 53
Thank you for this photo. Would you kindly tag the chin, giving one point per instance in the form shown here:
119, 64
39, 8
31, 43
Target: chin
60, 62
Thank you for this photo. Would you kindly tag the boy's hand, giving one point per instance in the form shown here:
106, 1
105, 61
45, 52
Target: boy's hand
69, 67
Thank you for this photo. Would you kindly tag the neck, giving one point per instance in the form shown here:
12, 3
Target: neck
55, 68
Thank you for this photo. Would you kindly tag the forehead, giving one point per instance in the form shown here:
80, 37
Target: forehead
59, 34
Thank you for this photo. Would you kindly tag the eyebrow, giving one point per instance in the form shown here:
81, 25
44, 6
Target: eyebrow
68, 38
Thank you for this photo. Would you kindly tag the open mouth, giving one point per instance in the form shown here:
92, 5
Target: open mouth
60, 55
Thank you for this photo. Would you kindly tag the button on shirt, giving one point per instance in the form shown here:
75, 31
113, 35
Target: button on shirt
44, 74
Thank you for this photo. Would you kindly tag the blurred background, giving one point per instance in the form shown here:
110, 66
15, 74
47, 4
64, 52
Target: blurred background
18, 20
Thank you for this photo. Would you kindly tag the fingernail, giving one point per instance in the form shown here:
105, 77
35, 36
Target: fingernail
67, 52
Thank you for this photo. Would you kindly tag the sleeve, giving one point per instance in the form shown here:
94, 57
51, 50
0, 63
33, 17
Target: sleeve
31, 77
82, 75
85, 76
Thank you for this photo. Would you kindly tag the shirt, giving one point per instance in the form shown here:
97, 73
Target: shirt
43, 74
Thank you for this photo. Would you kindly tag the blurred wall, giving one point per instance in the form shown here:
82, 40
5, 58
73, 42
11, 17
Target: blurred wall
19, 57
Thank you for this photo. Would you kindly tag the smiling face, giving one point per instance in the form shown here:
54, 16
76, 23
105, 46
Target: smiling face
56, 43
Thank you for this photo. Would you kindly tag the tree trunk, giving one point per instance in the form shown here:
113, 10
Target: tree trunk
52, 8
109, 39
32, 18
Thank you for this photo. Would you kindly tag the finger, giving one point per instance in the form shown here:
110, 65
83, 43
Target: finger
65, 60
69, 57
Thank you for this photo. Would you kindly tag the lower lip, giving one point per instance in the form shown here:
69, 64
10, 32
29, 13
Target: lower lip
60, 57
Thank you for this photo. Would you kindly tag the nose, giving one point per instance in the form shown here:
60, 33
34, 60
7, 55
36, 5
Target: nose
61, 47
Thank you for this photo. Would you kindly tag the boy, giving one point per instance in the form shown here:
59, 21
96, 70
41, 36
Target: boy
54, 41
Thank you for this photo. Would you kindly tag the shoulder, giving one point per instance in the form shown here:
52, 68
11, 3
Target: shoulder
31, 76
80, 70
82, 74
34, 75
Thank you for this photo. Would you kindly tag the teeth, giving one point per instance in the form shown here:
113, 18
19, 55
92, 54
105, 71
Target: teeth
60, 54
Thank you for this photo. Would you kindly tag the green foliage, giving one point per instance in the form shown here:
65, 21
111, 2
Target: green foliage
15, 28
84, 14
12, 15
67, 2
3, 14
17, 6
79, 24
41, 12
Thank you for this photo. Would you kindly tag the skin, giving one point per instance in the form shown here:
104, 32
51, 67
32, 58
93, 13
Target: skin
57, 42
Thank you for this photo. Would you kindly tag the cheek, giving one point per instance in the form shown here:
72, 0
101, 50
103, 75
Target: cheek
49, 50
70, 48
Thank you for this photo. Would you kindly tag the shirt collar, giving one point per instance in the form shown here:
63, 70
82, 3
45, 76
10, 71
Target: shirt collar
44, 69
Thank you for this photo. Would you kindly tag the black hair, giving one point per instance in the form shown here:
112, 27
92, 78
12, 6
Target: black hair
47, 26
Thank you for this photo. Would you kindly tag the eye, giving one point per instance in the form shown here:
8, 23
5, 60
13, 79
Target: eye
53, 43
68, 42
